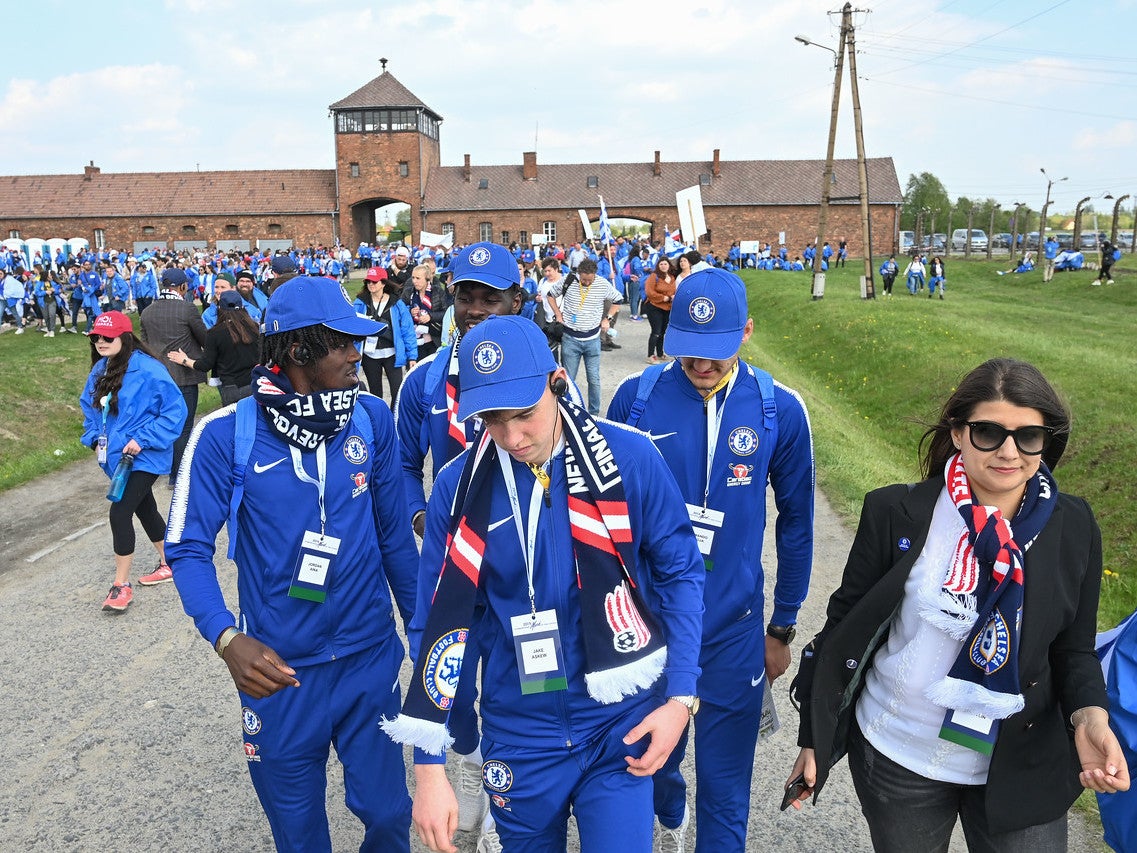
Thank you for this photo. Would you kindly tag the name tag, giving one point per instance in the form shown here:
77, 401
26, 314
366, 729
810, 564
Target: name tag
537, 645
313, 567
705, 522
972, 731
101, 450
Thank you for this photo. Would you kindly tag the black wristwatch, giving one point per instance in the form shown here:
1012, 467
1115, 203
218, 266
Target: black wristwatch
785, 633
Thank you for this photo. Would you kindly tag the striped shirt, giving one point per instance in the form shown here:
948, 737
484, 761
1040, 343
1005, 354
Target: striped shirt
583, 307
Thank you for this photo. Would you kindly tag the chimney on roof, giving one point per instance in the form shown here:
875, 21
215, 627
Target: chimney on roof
657, 170
466, 170
716, 169
90, 170
529, 166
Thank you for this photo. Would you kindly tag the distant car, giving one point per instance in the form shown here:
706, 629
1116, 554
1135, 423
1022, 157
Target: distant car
1065, 239
1125, 239
1001, 240
1090, 240
959, 238
907, 242
935, 244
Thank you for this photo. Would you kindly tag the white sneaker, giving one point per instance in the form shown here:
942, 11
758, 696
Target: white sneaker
472, 800
674, 840
50, 335
489, 842
20, 330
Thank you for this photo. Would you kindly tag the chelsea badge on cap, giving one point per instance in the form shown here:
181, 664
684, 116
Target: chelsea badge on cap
488, 356
702, 310
479, 257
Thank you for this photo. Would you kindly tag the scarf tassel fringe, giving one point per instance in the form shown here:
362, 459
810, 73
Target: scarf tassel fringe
431, 738
611, 685
956, 693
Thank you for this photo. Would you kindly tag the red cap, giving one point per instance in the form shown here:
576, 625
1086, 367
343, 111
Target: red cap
376, 274
111, 324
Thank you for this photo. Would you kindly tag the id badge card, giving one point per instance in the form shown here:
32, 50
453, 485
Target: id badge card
537, 643
101, 450
972, 731
706, 523
313, 567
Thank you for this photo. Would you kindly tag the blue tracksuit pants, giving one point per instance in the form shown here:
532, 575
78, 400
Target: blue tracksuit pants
726, 733
287, 736
533, 790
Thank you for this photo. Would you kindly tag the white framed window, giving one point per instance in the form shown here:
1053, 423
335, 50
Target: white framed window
550, 229
100, 239
485, 232
447, 228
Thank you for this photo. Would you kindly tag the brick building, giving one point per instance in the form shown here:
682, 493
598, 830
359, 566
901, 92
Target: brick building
387, 150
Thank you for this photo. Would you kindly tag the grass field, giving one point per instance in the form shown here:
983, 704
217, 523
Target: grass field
873, 372
40, 421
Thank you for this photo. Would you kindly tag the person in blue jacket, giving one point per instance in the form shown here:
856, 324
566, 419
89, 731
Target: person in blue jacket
1050, 253
306, 473
144, 285
89, 287
888, 272
131, 407
396, 346
726, 430
1119, 810
558, 545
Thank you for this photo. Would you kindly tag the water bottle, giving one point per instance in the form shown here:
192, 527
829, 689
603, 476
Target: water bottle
121, 475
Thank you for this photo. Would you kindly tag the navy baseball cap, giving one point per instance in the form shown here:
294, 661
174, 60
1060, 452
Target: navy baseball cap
504, 362
488, 264
310, 301
708, 315
282, 264
174, 277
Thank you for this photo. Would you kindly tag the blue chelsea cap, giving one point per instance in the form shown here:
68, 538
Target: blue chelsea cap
485, 263
504, 362
708, 315
310, 301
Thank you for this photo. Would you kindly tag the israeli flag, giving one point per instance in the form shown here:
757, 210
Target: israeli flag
605, 228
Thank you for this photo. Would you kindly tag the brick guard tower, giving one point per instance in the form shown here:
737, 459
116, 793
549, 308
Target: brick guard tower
386, 145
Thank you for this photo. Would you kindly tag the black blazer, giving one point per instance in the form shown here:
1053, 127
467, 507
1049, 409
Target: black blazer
1033, 776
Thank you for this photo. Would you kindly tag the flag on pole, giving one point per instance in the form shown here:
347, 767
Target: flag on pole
672, 244
605, 228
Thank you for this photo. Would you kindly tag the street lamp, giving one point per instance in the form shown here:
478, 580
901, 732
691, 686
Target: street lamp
811, 43
1042, 217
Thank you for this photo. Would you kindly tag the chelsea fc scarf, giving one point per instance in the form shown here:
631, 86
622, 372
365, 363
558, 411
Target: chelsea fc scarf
455, 429
981, 599
623, 644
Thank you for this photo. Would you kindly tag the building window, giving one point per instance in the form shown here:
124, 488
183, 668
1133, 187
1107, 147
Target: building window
274, 228
485, 232
186, 229
447, 228
550, 229
593, 182
148, 229
13, 235
355, 170
505, 238
704, 180
385, 121
483, 183
231, 229
100, 239
404, 169
523, 238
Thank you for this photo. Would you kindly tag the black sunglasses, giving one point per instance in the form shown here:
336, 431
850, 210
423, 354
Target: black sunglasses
102, 339
1031, 440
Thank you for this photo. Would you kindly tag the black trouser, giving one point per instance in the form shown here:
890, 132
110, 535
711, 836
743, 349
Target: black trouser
888, 280
189, 394
657, 318
373, 370
233, 393
137, 500
143, 302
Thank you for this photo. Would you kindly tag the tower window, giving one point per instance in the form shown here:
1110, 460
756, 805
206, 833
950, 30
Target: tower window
355, 170
404, 168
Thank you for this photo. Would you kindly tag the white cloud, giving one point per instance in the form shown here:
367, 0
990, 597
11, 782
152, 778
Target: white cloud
1122, 134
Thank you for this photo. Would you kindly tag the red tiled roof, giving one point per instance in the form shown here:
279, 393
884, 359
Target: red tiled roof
741, 182
383, 91
276, 191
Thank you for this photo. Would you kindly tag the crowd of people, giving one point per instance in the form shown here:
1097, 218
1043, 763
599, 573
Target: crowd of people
590, 591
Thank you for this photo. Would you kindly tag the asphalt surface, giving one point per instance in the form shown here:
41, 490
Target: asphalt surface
122, 732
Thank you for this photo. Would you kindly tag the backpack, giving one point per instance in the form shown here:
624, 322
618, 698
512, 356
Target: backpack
651, 375
245, 434
1116, 254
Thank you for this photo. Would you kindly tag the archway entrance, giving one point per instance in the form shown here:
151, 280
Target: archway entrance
381, 220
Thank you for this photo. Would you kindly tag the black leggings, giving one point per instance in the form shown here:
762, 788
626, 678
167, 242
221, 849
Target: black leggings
137, 499
374, 368
657, 318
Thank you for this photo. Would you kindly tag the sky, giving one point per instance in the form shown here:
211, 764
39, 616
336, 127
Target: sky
981, 93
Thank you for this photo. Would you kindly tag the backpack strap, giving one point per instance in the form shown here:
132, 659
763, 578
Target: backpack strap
434, 373
244, 434
766, 389
648, 378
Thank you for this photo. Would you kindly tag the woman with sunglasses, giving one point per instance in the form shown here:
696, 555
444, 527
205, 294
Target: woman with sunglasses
956, 666
131, 407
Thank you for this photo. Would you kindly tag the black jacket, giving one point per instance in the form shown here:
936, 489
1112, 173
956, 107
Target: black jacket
1033, 776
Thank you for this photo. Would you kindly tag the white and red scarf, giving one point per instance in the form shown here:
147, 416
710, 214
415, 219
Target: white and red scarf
623, 643
980, 601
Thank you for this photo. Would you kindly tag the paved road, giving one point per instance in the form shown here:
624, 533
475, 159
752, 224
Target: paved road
122, 732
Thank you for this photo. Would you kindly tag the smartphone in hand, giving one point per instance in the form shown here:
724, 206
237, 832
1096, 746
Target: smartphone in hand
793, 791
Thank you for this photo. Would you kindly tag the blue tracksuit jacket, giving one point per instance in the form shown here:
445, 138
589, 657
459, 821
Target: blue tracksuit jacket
669, 573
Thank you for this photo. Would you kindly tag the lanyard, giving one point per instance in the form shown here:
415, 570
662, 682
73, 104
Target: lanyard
321, 473
528, 538
106, 411
714, 424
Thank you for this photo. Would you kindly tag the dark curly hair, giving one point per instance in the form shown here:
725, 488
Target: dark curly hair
319, 340
1016, 382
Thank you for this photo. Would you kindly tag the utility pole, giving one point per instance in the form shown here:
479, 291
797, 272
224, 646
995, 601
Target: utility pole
827, 176
869, 291
991, 231
967, 242
1078, 223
